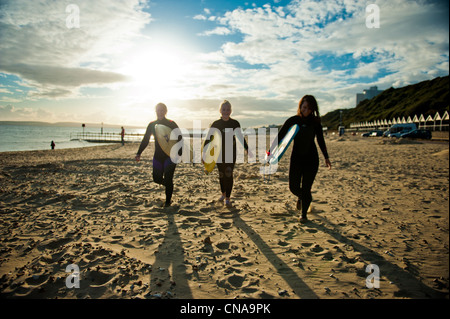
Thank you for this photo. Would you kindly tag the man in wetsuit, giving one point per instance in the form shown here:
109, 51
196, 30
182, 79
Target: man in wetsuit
163, 167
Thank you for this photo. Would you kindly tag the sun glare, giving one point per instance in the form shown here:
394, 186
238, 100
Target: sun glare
157, 72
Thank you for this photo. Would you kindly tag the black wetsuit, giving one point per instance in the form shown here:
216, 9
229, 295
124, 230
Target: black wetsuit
163, 167
226, 161
304, 162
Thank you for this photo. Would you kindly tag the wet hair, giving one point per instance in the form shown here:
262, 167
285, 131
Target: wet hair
312, 104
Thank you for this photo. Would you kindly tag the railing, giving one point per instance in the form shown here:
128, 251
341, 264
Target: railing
106, 137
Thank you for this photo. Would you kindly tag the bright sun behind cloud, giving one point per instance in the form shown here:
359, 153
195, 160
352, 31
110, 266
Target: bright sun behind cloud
157, 72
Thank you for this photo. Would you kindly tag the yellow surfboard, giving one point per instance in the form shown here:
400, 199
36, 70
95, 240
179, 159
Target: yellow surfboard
212, 151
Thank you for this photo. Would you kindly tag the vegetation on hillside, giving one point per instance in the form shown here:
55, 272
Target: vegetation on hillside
427, 98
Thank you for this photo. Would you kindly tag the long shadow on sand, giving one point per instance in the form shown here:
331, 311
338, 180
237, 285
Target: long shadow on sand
387, 269
170, 255
290, 276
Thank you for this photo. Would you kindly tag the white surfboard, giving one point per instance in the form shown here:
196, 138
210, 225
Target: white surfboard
283, 145
162, 136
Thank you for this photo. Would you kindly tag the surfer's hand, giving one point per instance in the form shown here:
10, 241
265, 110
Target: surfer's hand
328, 163
138, 158
268, 156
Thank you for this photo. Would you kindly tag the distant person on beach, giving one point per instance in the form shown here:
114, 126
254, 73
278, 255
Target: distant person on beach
304, 162
52, 145
226, 168
122, 136
163, 167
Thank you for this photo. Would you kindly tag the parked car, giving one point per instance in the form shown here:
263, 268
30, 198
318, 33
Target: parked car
425, 134
397, 130
372, 133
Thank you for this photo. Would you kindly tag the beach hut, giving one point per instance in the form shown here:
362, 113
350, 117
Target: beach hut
436, 118
421, 119
429, 121
444, 121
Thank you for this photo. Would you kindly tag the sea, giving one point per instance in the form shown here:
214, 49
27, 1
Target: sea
33, 137
39, 137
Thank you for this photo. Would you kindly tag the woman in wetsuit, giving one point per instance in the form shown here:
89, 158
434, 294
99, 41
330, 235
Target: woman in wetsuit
163, 167
304, 158
226, 162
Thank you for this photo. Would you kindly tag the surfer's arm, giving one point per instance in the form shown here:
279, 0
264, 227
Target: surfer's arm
145, 140
322, 145
281, 134
321, 140
241, 137
208, 137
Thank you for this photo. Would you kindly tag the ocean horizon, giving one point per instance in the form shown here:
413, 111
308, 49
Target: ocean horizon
38, 136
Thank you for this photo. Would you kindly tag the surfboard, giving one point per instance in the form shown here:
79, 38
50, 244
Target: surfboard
283, 145
212, 151
162, 136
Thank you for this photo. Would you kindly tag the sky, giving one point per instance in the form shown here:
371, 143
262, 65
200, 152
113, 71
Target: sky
112, 61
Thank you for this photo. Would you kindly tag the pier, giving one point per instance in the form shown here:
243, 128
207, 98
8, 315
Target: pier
105, 137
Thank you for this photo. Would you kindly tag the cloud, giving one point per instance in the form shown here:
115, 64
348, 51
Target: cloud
411, 41
11, 113
200, 17
38, 45
62, 76
5, 91
216, 31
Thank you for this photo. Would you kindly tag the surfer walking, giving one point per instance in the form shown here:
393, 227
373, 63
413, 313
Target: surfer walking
226, 161
163, 167
304, 162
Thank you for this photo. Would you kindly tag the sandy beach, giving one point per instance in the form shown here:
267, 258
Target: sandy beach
384, 203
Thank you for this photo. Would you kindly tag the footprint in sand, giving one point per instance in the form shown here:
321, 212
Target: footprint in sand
98, 278
226, 225
223, 245
282, 243
239, 258
317, 248
236, 280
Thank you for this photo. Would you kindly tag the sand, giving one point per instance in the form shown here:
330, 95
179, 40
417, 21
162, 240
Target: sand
384, 203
